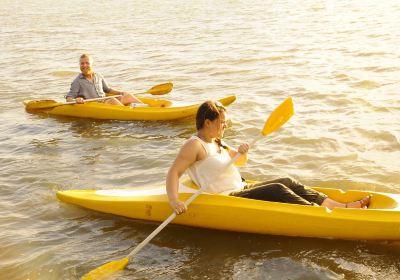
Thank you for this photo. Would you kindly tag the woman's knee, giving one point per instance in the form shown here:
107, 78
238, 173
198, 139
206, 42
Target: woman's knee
280, 188
287, 181
272, 191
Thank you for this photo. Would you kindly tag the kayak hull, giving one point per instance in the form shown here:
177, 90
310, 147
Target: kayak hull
380, 222
158, 110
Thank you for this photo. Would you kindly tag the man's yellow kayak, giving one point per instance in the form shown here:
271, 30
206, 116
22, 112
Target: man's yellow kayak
381, 221
156, 110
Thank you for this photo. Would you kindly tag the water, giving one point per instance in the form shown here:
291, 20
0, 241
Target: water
339, 60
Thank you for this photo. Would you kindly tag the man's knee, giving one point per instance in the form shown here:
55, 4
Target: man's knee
113, 101
127, 98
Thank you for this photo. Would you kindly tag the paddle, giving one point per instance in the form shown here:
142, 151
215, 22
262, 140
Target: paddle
277, 118
46, 104
159, 89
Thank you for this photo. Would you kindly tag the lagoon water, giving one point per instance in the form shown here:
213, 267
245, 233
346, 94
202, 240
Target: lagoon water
339, 60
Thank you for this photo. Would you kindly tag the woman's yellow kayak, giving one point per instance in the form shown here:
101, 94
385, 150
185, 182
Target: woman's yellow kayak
381, 221
154, 110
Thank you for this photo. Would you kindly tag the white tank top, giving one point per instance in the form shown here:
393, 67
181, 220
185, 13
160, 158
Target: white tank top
212, 171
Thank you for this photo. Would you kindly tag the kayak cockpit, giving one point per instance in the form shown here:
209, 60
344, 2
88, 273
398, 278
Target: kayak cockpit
378, 200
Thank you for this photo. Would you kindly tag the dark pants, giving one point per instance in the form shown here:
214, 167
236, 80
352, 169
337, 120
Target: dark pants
282, 190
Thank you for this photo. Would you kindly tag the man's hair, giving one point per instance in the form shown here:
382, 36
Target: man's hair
85, 55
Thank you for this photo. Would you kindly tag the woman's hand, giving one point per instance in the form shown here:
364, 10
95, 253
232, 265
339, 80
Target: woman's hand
178, 206
243, 148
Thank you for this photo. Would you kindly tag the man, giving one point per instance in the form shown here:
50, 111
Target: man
89, 85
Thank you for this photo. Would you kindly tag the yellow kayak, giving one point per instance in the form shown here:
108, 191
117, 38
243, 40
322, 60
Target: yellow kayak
156, 110
381, 221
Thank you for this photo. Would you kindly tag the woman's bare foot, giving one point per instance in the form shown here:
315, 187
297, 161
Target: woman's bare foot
362, 203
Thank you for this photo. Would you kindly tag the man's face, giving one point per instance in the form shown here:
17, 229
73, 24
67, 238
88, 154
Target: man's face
86, 65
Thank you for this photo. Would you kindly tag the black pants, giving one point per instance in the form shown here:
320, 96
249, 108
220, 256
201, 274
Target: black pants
282, 190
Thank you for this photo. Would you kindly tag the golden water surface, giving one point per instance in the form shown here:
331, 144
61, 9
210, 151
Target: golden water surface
339, 60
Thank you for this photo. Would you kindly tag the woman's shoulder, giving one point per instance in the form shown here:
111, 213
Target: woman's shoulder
193, 141
193, 144
191, 148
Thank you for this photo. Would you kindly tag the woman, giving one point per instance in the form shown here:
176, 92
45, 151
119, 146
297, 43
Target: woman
205, 157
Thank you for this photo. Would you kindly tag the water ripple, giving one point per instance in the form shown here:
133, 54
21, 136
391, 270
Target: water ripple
337, 59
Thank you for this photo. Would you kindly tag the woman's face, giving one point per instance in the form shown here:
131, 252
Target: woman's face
218, 125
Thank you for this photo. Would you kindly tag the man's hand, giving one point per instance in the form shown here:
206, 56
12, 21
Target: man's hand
79, 100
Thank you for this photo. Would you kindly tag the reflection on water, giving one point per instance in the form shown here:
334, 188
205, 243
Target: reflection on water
339, 60
182, 252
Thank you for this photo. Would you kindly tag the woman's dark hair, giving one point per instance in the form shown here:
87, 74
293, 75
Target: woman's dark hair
209, 110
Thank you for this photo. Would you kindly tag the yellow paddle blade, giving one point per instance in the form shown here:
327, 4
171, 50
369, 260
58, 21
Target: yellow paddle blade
279, 116
106, 271
156, 102
40, 104
161, 89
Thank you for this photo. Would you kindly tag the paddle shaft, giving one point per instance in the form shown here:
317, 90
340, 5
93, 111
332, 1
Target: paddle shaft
153, 90
190, 200
237, 156
163, 225
100, 98
118, 95
90, 100
47, 104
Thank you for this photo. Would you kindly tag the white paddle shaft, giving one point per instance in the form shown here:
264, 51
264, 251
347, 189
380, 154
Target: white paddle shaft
163, 225
93, 99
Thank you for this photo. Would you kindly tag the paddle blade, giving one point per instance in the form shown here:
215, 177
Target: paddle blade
40, 104
161, 103
279, 117
106, 271
161, 89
